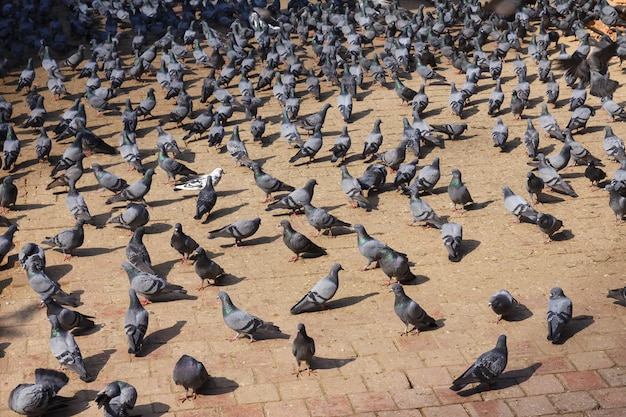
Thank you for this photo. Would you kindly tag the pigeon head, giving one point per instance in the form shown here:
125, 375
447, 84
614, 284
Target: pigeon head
396, 289
556, 292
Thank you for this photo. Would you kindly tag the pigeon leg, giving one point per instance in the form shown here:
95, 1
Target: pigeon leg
295, 258
145, 302
498, 319
183, 399
201, 287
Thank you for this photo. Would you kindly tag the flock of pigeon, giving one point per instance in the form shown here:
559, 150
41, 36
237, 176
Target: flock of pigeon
268, 44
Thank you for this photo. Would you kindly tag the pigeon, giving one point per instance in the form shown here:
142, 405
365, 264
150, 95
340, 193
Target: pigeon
205, 267
405, 173
578, 153
11, 149
67, 352
197, 183
320, 294
428, 73
373, 140
136, 252
613, 109
166, 142
238, 230
594, 174
369, 247
37, 115
613, 145
289, 131
320, 219
312, 83
134, 216
617, 202
241, 321
129, 117
619, 294
130, 153
456, 100
312, 121
502, 303
207, 197
191, 374
373, 178
146, 105
117, 398
531, 139
43, 146
172, 167
352, 189
495, 99
8, 194
184, 244
427, 177
295, 199
487, 367
452, 130
518, 206
299, 243
69, 157
76, 204
310, 148
200, 124
393, 158
344, 104
552, 179
548, 224
552, 89
458, 192
6, 241
108, 180
31, 249
43, 285
68, 240
341, 146
405, 93
73, 173
27, 76
395, 265
452, 236
136, 191
558, 315
152, 287
549, 125
68, 319
409, 312
135, 323
303, 349
257, 129
499, 134
267, 183
534, 186
39, 398
423, 213
580, 117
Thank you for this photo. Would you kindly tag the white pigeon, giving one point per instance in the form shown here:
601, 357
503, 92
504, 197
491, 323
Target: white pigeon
196, 183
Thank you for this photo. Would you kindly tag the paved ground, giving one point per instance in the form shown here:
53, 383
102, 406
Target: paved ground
363, 366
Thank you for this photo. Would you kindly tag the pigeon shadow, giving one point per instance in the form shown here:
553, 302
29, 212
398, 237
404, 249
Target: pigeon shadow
100, 220
227, 193
262, 334
164, 268
151, 409
228, 279
155, 340
563, 235
257, 241
546, 150
576, 325
96, 251
96, 363
86, 332
56, 272
419, 279
5, 283
348, 301
75, 405
217, 386
549, 198
329, 363
519, 313
155, 228
160, 203
224, 212
338, 231
505, 380
468, 246
3, 347
29, 207
511, 145
359, 115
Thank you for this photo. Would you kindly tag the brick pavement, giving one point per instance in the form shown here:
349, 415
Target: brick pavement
363, 366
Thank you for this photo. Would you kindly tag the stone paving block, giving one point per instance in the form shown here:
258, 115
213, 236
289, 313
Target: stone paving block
590, 360
371, 402
399, 413
615, 412
452, 410
386, 381
554, 364
615, 377
542, 384
258, 393
618, 356
245, 410
573, 401
333, 406
582, 380
302, 388
442, 357
531, 406
415, 398
286, 409
429, 377
610, 397
343, 385
488, 408
399, 361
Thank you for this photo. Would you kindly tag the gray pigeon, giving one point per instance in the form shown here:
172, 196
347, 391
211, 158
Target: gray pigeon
152, 287
559, 314
299, 243
409, 312
549, 125
39, 398
393, 158
11, 149
395, 264
351, 187
31, 249
237, 149
295, 199
405, 173
130, 152
315, 120
135, 191
531, 139
43, 285
76, 204
452, 236
8, 193
190, 374
321, 292
205, 267
134, 216
135, 323
502, 303
68, 319
552, 179
69, 157
184, 244
422, 212
617, 202
75, 172
207, 197
487, 367
68, 240
267, 183
43, 145
499, 134
495, 99
136, 252
64, 348
427, 177
6, 241
613, 145
341, 146
108, 180
518, 206
458, 192
557, 161
310, 148
534, 186
167, 142
548, 224
241, 321
238, 230
320, 219
117, 398
303, 349
373, 140
618, 294
369, 247
172, 167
